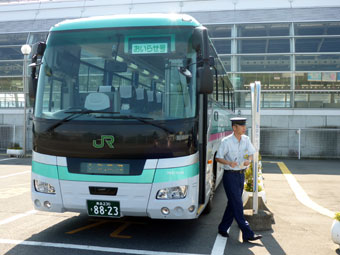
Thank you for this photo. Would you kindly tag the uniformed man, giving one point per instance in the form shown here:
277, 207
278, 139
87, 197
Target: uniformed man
235, 153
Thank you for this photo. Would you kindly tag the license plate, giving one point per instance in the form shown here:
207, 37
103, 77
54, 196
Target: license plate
103, 208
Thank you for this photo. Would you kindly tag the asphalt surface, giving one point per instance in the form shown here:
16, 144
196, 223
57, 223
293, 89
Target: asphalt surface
299, 228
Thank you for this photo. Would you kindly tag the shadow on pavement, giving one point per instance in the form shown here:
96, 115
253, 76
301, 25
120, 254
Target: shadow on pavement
268, 242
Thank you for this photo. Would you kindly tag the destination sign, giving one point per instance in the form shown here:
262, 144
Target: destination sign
149, 48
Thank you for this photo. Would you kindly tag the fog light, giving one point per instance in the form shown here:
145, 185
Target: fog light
165, 210
179, 211
47, 204
37, 203
191, 208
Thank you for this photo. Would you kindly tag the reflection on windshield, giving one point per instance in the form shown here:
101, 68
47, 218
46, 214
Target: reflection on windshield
133, 72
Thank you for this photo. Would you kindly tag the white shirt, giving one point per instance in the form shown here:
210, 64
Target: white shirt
232, 150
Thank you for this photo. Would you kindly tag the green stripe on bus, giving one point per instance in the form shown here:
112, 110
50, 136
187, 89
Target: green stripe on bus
145, 177
176, 174
45, 170
159, 175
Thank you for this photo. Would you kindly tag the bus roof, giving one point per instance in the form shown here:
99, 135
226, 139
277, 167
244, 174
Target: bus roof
132, 20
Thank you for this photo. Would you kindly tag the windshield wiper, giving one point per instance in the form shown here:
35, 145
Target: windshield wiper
141, 119
73, 115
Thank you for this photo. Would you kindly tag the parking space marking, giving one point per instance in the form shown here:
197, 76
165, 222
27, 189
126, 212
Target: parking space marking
3, 159
121, 228
16, 217
300, 194
115, 233
10, 175
90, 247
219, 245
87, 227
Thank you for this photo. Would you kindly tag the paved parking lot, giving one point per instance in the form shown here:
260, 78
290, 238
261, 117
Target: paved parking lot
302, 194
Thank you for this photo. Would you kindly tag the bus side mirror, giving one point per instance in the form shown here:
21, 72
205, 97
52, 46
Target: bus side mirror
197, 39
205, 80
200, 42
38, 51
32, 90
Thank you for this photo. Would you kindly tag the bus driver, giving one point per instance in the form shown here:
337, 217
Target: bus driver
235, 153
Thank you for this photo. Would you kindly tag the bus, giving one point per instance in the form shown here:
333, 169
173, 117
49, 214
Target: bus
129, 111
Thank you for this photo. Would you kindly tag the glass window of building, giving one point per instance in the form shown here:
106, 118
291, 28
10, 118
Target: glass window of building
217, 31
268, 100
222, 46
37, 37
10, 53
13, 39
226, 60
319, 28
10, 84
11, 68
264, 63
317, 44
269, 81
263, 46
314, 99
317, 81
256, 30
317, 62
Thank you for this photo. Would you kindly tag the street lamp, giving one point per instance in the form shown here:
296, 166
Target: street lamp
25, 50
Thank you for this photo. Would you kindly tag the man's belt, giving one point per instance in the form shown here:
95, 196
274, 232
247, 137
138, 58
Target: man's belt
235, 171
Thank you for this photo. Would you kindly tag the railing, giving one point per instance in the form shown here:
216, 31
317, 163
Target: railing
12, 100
300, 142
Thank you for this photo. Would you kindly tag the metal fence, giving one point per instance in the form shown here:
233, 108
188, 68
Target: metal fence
13, 134
300, 143
7, 136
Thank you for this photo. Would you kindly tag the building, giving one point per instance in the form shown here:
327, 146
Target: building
291, 46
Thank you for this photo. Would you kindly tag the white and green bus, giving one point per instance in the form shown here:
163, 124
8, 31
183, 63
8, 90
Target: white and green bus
128, 115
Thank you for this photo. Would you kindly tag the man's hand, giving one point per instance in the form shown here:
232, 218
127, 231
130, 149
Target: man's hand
233, 164
246, 163
225, 162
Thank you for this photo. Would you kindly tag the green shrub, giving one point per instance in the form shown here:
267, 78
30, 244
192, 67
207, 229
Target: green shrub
337, 216
15, 146
248, 186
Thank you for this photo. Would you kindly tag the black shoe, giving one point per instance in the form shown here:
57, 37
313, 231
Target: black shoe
224, 234
254, 238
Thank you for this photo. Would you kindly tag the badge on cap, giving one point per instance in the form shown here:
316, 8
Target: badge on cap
238, 121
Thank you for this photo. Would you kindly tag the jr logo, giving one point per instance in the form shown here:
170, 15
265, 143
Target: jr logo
108, 139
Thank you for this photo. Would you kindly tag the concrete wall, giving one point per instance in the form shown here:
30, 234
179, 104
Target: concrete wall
308, 133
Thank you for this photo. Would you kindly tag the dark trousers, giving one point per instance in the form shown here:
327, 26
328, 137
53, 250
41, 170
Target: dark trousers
233, 183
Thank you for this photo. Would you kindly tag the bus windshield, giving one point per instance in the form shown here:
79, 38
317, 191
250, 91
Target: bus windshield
117, 71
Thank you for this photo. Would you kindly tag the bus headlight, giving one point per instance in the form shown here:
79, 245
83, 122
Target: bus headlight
43, 187
178, 192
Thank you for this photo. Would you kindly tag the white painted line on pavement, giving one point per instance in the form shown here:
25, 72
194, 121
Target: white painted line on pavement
16, 217
90, 247
300, 194
10, 175
219, 245
3, 159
